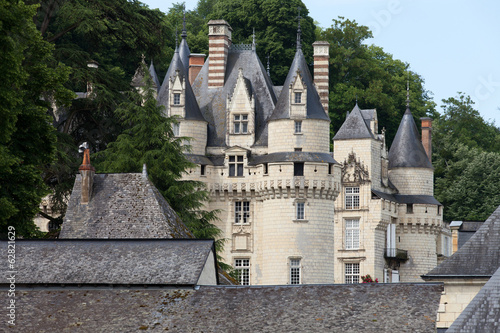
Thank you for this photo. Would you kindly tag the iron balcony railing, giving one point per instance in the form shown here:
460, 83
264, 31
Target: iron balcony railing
395, 253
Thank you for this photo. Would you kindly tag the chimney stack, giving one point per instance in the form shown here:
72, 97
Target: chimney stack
321, 74
87, 171
219, 41
427, 136
196, 62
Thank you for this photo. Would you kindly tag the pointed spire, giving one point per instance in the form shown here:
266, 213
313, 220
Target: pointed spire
176, 39
184, 31
299, 31
268, 67
408, 94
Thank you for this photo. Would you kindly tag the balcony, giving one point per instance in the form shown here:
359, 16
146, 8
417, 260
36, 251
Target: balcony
397, 254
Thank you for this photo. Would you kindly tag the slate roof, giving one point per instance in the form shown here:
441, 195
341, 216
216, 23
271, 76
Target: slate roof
407, 150
212, 101
138, 78
408, 199
354, 127
154, 76
479, 257
111, 261
305, 308
184, 52
483, 312
314, 107
125, 205
191, 106
297, 156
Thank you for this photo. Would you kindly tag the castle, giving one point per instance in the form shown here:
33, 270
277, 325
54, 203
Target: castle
292, 211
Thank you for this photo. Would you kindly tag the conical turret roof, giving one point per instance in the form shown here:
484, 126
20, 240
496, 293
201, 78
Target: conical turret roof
314, 107
407, 150
154, 76
354, 127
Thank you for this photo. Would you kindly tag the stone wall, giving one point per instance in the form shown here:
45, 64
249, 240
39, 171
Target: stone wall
314, 136
413, 181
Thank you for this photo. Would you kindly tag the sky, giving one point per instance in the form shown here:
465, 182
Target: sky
453, 44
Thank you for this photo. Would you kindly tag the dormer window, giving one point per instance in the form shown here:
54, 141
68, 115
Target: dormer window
298, 97
240, 124
177, 99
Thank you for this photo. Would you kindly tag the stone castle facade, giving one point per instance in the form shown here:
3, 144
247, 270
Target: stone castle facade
292, 211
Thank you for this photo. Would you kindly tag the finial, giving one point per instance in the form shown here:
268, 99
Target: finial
408, 93
176, 41
299, 31
184, 32
143, 57
268, 67
253, 40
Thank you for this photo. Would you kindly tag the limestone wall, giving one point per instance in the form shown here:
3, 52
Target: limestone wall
413, 181
314, 137
197, 130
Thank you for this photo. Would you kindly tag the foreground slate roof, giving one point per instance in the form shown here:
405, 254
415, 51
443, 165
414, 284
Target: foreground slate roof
305, 308
124, 205
483, 312
110, 262
479, 257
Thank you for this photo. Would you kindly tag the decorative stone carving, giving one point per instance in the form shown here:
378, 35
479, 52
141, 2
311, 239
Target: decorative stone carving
354, 171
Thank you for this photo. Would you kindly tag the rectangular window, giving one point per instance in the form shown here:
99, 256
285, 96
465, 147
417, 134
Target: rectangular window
298, 97
177, 99
235, 166
409, 208
203, 169
242, 268
352, 198
297, 149
266, 168
352, 234
240, 124
298, 168
298, 126
352, 273
176, 129
242, 212
294, 271
300, 210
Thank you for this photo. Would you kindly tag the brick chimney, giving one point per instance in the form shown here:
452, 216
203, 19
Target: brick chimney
219, 41
196, 62
427, 136
321, 63
87, 171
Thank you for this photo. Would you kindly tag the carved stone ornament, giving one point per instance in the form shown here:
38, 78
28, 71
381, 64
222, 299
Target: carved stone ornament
353, 171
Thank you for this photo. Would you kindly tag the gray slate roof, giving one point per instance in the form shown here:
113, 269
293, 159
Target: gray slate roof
306, 308
184, 53
407, 150
314, 107
408, 199
116, 261
192, 108
483, 312
291, 157
154, 76
355, 126
479, 257
212, 101
122, 205
138, 78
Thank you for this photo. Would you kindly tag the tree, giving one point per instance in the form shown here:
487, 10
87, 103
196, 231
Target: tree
32, 82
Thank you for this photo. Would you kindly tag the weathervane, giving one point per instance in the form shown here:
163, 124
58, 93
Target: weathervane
299, 31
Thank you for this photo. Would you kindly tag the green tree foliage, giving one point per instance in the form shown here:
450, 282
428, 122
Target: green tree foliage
370, 76
32, 81
466, 158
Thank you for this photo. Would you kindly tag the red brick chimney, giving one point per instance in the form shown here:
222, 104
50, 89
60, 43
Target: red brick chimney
196, 62
321, 74
427, 136
87, 171
219, 41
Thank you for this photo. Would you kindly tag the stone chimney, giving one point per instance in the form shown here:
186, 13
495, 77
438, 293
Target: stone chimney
219, 41
87, 171
321, 74
196, 62
427, 136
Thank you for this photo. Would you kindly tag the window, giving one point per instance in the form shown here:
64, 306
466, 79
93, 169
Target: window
298, 126
242, 268
409, 208
242, 212
294, 271
236, 166
203, 169
352, 234
300, 210
330, 168
240, 124
352, 198
298, 168
352, 273
177, 99
266, 168
298, 97
176, 129
297, 149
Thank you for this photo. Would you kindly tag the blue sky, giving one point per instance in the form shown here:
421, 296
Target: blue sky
453, 45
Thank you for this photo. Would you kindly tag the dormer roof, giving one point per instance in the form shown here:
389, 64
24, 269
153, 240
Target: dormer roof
314, 107
407, 150
355, 126
192, 108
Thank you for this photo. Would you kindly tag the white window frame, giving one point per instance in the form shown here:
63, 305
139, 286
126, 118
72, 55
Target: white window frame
295, 271
240, 123
352, 234
236, 165
352, 272
177, 99
242, 212
352, 197
297, 97
300, 210
298, 126
242, 268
